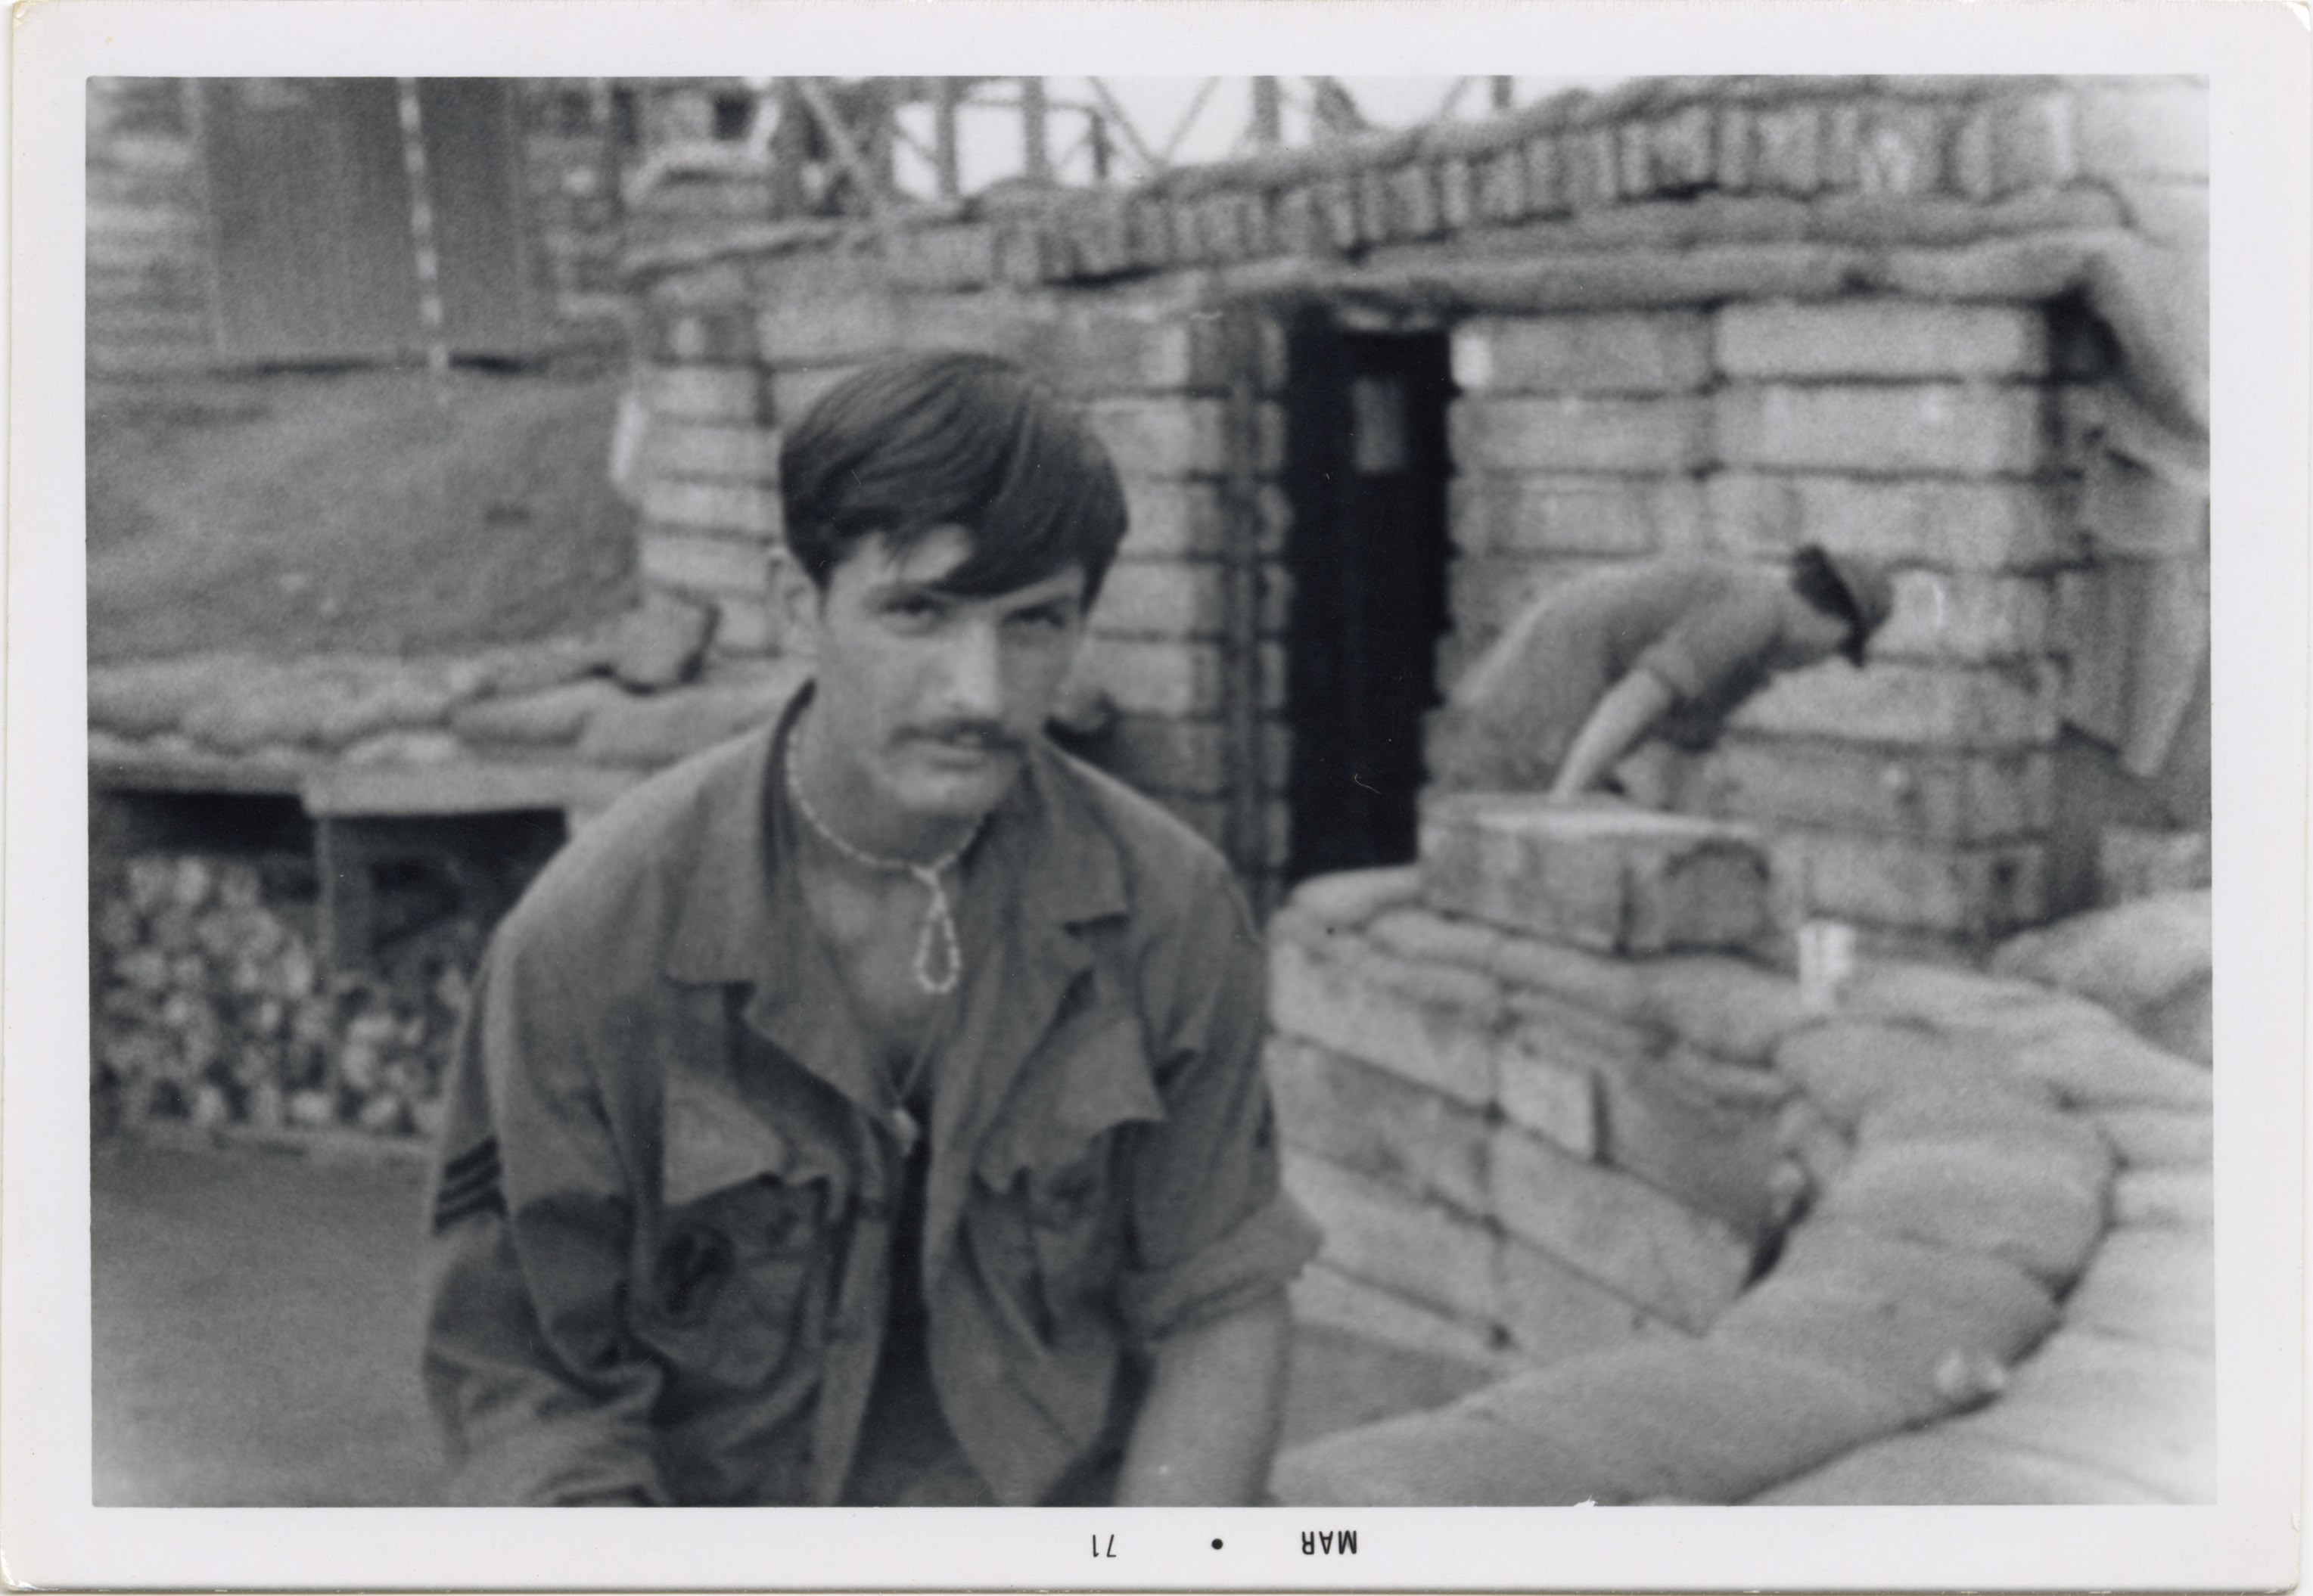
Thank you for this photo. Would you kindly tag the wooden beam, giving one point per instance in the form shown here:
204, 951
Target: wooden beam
141, 773
1142, 156
462, 789
1188, 119
1431, 282
846, 150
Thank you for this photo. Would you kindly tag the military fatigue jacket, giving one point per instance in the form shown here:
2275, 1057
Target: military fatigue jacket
661, 1222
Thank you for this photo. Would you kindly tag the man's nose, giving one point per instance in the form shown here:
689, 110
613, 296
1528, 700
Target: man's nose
974, 684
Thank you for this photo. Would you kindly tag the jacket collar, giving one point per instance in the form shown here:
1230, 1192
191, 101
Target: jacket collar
742, 919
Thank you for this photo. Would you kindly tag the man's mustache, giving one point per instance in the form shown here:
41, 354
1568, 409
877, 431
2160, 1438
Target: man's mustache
991, 735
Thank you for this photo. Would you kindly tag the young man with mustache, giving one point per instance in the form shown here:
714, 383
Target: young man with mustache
869, 1110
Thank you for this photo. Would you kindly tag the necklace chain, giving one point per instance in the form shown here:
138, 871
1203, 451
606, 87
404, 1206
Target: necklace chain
939, 955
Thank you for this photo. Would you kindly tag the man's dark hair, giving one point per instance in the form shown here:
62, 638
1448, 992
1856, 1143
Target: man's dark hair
925, 440
1856, 595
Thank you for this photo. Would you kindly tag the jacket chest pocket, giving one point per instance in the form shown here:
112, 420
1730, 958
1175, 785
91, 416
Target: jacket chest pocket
733, 1286
1075, 1228
735, 1279
1057, 1170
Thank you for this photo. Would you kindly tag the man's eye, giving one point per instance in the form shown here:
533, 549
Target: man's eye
913, 610
1054, 619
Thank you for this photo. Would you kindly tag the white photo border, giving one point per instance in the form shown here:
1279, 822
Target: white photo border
2255, 58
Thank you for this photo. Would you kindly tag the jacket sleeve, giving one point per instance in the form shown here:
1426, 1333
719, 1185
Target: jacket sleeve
1214, 1230
540, 1397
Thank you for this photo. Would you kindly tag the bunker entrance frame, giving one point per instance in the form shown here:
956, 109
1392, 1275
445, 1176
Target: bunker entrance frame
1364, 473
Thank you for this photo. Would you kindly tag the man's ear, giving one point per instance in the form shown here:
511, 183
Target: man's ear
798, 602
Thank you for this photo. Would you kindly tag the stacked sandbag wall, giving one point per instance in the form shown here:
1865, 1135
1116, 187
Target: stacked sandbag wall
1536, 1125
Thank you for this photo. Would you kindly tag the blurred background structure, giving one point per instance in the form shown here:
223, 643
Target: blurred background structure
433, 429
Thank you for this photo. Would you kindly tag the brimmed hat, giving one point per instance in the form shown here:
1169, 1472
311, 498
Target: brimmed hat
1859, 588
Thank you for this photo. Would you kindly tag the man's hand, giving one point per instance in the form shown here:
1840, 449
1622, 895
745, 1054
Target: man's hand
1208, 1427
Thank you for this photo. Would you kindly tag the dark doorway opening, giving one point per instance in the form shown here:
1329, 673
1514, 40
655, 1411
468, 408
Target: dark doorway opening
1365, 466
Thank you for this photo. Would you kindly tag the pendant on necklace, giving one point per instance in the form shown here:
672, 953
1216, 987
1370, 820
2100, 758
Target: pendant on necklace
939, 956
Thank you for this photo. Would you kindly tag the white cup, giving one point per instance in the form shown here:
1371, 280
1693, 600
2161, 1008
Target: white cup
1826, 963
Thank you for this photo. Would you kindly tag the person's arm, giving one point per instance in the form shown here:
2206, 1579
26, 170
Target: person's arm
539, 1400
1207, 1426
1615, 726
1216, 1238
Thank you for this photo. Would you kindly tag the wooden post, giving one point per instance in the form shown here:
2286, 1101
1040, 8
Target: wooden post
1036, 138
347, 906
197, 92
1268, 114
1247, 816
425, 255
790, 149
882, 139
343, 862
610, 153
944, 97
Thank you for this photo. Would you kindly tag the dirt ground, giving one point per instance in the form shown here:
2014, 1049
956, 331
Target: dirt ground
369, 512
255, 1336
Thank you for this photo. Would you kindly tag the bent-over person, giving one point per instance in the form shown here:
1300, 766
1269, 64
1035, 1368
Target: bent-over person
868, 1110
1668, 648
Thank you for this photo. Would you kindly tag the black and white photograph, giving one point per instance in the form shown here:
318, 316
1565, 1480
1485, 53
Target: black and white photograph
1287, 797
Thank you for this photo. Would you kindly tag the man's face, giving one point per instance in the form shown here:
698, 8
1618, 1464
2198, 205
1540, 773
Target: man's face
927, 699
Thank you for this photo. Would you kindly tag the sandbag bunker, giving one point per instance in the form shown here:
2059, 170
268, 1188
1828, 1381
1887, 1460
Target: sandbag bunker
1718, 1243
